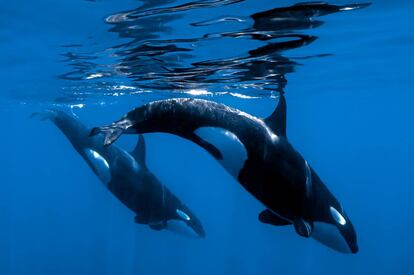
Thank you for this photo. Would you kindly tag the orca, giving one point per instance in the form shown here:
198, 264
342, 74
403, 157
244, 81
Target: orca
258, 154
127, 176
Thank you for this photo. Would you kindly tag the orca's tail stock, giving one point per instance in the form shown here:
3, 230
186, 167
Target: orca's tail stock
44, 115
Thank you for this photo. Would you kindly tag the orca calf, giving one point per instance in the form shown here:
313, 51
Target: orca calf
257, 153
127, 176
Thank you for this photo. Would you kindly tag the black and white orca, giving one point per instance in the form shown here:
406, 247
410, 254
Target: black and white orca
258, 154
127, 176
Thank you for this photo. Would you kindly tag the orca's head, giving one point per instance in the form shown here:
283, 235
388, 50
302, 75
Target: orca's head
336, 231
184, 214
330, 224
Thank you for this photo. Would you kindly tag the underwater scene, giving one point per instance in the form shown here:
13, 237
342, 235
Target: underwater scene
206, 137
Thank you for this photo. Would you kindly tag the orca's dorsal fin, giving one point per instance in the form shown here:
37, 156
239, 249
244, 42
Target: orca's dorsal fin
139, 152
277, 120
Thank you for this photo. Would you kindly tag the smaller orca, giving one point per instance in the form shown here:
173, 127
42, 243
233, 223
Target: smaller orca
127, 176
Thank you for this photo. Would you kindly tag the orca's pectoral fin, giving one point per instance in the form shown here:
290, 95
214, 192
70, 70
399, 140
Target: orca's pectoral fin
111, 133
158, 226
267, 216
302, 227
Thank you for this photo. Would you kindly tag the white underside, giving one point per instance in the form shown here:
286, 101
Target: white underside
233, 151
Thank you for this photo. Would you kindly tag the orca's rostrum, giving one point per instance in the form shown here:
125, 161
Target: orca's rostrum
258, 154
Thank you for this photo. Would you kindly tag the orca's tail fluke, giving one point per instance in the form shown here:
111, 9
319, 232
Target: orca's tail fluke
68, 124
185, 214
111, 133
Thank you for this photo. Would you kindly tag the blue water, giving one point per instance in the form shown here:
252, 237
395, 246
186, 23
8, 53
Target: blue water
348, 84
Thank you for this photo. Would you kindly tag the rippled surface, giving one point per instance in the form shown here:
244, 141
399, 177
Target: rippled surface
201, 47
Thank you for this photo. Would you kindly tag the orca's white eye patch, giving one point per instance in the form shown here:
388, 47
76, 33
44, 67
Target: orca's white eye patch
182, 215
337, 216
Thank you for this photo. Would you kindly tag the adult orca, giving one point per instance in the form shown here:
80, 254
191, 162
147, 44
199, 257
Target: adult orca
258, 154
127, 176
